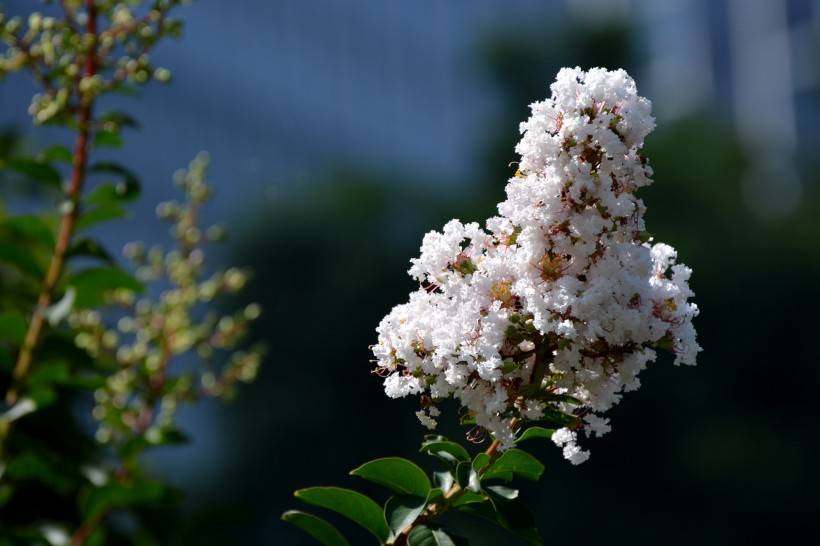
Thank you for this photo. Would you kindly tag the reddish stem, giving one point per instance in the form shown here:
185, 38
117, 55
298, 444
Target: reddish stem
78, 171
452, 494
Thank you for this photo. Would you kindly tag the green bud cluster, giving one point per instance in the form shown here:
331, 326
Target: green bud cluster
172, 347
75, 62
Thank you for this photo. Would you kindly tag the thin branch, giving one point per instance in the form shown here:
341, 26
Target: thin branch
454, 493
78, 174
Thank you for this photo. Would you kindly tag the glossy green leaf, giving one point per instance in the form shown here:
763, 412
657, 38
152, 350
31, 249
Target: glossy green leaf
316, 527
435, 495
481, 460
468, 497
89, 248
115, 495
12, 327
402, 510
467, 477
425, 535
91, 284
443, 480
400, 475
100, 213
515, 461
41, 171
536, 432
353, 505
502, 492
445, 450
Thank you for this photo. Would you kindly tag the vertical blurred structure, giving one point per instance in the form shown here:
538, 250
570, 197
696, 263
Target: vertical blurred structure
762, 53
763, 91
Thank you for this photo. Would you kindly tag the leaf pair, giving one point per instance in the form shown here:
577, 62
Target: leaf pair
402, 476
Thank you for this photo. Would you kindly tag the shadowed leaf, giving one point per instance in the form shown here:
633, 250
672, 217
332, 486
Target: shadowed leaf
351, 504
316, 527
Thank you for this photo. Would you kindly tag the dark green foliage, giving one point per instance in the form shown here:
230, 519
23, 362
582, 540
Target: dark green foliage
410, 517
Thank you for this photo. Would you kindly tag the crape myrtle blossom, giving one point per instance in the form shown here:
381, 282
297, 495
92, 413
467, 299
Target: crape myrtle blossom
552, 311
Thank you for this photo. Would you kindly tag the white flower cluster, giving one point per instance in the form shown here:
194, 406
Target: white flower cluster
551, 313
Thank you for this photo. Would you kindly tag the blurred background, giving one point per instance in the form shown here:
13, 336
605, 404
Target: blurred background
341, 132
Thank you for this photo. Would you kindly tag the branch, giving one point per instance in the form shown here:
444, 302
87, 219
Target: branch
78, 174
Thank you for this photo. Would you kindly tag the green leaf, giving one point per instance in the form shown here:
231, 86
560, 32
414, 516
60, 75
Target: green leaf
49, 373
490, 512
425, 535
536, 432
31, 227
316, 527
398, 474
559, 418
98, 537
481, 460
136, 444
515, 461
21, 256
12, 327
41, 171
110, 139
115, 495
467, 477
6, 492
506, 493
127, 189
435, 495
443, 480
552, 397
6, 362
91, 285
402, 510
515, 513
509, 366
467, 419
449, 452
89, 248
469, 497
34, 467
100, 213
350, 504
57, 152
42, 396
